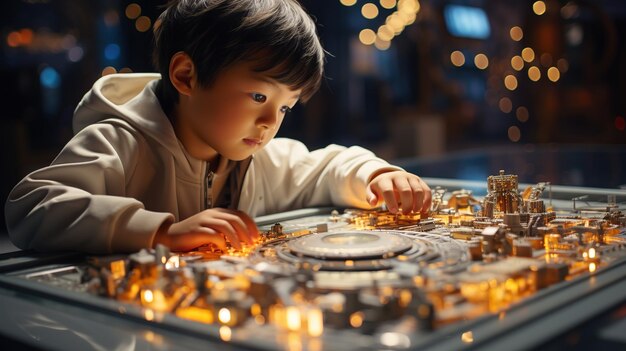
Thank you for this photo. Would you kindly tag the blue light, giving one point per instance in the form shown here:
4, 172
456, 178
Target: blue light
50, 78
466, 21
112, 52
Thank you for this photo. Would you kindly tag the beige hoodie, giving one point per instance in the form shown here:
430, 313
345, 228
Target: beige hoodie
125, 172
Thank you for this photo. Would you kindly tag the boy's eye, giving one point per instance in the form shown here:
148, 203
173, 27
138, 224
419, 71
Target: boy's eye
259, 97
285, 109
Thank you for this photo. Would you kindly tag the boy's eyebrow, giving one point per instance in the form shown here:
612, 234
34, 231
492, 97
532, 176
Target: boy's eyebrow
272, 82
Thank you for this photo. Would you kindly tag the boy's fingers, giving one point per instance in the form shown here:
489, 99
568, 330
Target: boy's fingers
405, 192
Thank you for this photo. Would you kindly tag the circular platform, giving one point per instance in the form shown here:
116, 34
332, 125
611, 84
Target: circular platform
350, 245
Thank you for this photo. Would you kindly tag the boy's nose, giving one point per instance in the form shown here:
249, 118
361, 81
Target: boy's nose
267, 120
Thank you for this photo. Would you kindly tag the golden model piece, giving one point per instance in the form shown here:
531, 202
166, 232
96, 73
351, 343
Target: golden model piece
502, 195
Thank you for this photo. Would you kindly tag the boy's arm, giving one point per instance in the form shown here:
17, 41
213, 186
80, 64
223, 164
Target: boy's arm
286, 175
79, 203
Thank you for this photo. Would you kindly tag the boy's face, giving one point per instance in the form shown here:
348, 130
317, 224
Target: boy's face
236, 116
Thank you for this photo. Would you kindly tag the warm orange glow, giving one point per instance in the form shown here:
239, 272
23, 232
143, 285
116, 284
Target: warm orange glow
293, 318
517, 63
592, 267
481, 61
14, 39
539, 7
315, 322
369, 11
225, 333
133, 11
457, 58
408, 6
510, 82
356, 319
367, 37
143, 23
388, 4
505, 105
385, 32
516, 33
197, 314
347, 2
382, 44
26, 35
467, 337
522, 114
528, 54
554, 74
534, 74
224, 315
108, 70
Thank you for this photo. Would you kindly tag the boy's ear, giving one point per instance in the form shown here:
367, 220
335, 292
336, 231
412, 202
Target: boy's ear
182, 73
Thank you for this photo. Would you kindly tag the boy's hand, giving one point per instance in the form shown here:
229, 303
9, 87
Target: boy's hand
211, 226
400, 191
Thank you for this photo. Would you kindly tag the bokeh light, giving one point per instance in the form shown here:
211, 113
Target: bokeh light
539, 8
517, 63
528, 54
534, 73
367, 36
516, 33
554, 74
457, 58
510, 82
522, 114
481, 61
514, 134
369, 11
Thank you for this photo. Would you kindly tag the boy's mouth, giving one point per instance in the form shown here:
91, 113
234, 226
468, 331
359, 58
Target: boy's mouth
252, 142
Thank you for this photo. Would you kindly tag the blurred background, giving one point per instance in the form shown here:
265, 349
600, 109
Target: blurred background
446, 88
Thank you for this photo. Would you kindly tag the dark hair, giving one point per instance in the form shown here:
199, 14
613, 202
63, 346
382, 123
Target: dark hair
277, 35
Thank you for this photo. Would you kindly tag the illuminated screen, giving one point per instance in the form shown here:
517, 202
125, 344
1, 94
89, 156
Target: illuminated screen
466, 21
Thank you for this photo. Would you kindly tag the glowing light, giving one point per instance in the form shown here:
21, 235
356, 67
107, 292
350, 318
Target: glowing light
505, 105
385, 33
528, 54
522, 114
50, 78
481, 61
148, 296
592, 253
388, 4
514, 134
356, 319
293, 318
369, 11
395, 22
149, 314
133, 11
457, 58
260, 320
517, 62
592, 267
539, 8
347, 2
367, 36
467, 337
143, 23
255, 309
225, 333
223, 315
126, 70
516, 33
108, 70
534, 74
382, 44
398, 340
14, 39
26, 35
408, 6
111, 18
315, 322
510, 82
620, 123
554, 74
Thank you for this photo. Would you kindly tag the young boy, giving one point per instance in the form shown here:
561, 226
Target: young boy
184, 158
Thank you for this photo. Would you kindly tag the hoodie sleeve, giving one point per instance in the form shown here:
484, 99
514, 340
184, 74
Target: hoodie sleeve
287, 175
78, 202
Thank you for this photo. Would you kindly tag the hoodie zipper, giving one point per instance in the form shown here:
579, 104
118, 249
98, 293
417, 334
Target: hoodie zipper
208, 185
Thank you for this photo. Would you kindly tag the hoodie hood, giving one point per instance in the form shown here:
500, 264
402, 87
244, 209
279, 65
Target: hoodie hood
131, 98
